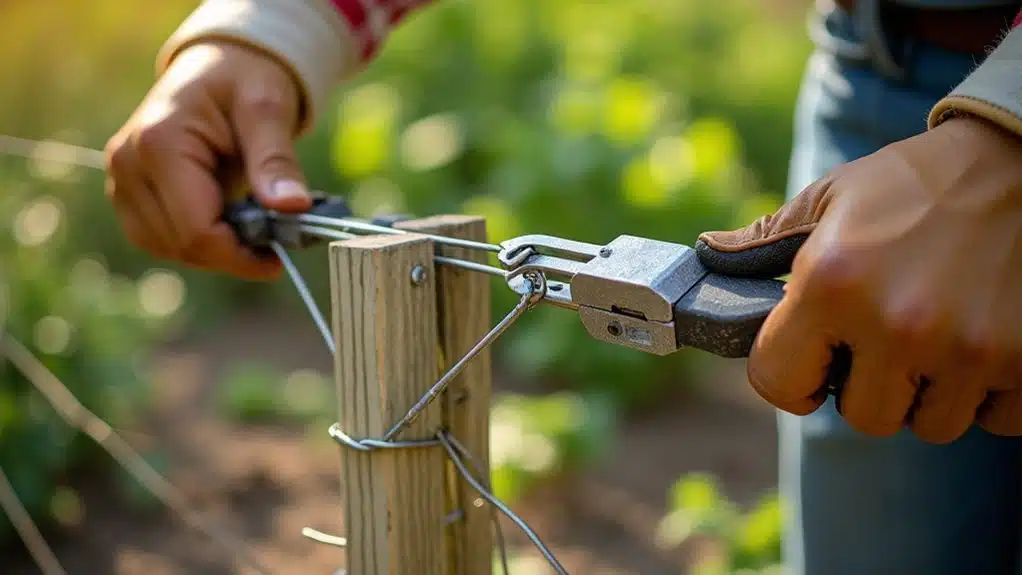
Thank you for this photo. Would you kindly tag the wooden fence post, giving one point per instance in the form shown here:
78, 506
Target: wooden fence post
464, 307
384, 322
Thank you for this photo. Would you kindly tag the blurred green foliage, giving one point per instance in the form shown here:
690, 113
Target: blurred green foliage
256, 393
581, 118
532, 438
88, 326
747, 543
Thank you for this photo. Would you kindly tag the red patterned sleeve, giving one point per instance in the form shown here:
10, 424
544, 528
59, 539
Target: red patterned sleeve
371, 20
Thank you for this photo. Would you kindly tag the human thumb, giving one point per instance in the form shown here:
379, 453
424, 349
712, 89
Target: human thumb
264, 121
767, 247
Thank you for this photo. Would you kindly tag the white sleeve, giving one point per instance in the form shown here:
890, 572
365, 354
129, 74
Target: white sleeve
310, 37
992, 91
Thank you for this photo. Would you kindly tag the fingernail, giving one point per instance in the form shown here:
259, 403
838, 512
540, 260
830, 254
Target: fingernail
284, 189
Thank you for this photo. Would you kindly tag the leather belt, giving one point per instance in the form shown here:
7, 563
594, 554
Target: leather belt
969, 31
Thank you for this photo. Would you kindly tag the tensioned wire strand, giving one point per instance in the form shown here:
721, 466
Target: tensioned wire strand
76, 415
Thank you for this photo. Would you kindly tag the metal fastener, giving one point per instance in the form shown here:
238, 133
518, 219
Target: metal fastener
418, 274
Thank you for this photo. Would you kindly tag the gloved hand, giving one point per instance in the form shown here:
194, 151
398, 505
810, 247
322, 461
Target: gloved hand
912, 258
217, 105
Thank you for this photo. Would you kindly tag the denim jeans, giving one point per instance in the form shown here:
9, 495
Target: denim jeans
867, 506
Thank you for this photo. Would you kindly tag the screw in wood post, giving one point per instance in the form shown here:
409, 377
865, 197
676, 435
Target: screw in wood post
387, 357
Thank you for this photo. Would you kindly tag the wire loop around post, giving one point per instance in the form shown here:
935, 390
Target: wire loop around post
532, 290
531, 296
458, 455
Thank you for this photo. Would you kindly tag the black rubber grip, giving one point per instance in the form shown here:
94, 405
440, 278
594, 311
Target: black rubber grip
722, 314
765, 261
256, 227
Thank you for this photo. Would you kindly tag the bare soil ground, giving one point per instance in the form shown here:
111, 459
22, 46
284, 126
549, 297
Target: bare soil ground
268, 482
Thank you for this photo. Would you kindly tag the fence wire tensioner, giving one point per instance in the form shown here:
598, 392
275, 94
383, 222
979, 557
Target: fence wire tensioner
646, 294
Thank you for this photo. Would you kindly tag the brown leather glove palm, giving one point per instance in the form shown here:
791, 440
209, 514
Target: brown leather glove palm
911, 258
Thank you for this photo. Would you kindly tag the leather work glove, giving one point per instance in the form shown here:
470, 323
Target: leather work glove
910, 259
166, 176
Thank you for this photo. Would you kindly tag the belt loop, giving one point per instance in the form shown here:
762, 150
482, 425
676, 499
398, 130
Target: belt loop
868, 19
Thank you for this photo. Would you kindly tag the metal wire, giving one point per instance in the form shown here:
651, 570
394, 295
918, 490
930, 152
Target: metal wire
27, 530
470, 266
454, 453
51, 151
483, 477
325, 232
529, 299
458, 455
326, 538
317, 315
78, 417
533, 293
348, 225
480, 484
454, 449
306, 295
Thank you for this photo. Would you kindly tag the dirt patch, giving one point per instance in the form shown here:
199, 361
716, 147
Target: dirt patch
268, 482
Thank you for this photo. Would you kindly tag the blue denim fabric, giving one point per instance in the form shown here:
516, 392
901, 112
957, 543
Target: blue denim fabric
898, 506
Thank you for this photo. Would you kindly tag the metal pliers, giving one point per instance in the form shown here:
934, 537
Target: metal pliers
646, 294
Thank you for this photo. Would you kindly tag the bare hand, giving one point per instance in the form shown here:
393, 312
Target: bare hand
216, 105
912, 257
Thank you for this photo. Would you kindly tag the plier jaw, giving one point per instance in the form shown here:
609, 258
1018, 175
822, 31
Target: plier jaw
646, 294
